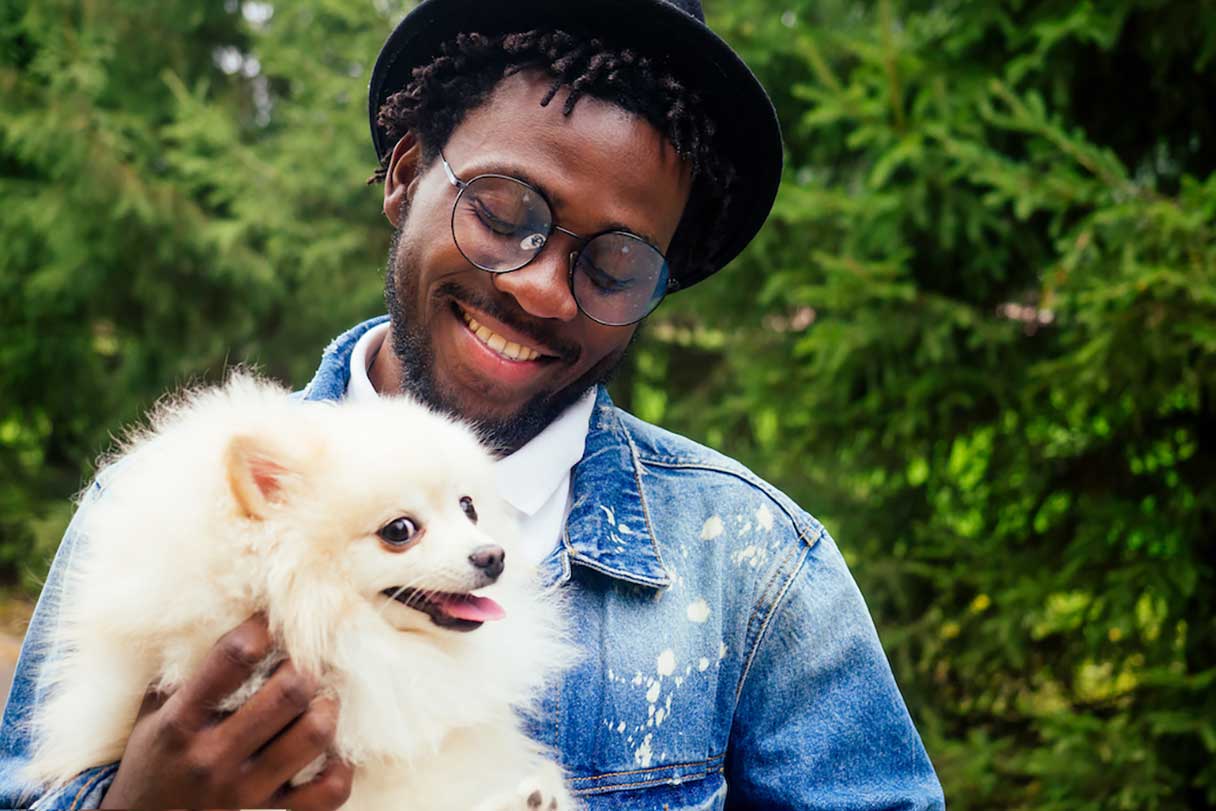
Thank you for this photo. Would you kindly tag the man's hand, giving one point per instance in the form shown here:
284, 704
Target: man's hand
183, 754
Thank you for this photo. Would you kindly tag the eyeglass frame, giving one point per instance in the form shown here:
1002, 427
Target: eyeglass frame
460, 185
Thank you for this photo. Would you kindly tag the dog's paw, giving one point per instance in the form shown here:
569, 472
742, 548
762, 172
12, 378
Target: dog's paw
538, 793
543, 798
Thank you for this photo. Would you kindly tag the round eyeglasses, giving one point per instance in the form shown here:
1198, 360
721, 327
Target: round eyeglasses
501, 223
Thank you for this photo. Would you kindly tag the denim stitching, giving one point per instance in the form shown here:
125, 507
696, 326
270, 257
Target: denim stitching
776, 604
588, 563
85, 789
572, 555
655, 770
648, 783
759, 608
637, 477
809, 533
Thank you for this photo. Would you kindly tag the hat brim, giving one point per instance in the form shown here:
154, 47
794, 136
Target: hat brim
733, 97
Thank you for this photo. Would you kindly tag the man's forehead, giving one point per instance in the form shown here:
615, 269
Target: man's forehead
514, 109
597, 146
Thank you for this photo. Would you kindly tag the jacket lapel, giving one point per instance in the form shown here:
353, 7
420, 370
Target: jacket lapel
609, 528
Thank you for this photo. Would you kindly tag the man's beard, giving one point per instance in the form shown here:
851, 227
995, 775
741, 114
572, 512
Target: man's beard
412, 345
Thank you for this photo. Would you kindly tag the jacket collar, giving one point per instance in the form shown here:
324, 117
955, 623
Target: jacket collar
332, 376
608, 528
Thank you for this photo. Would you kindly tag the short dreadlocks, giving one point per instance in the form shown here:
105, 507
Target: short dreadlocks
470, 66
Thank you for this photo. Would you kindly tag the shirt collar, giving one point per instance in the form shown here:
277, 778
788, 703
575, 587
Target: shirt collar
331, 378
529, 477
608, 528
359, 388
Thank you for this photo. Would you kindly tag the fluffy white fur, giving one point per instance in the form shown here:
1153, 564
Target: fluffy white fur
239, 499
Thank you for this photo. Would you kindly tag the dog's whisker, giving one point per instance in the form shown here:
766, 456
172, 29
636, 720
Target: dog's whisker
388, 600
397, 592
391, 598
448, 573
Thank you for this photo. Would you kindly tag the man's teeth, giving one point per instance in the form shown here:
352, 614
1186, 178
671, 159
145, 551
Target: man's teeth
508, 349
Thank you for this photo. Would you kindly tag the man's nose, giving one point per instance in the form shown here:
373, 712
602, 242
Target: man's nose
542, 286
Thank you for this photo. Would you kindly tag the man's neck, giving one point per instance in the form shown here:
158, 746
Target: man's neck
387, 374
385, 371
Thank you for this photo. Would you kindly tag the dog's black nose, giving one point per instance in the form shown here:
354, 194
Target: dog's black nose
489, 559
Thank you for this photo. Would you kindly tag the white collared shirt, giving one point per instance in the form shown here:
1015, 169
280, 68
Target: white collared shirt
535, 480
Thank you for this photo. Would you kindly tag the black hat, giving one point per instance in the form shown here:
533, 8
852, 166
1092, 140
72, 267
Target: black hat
672, 32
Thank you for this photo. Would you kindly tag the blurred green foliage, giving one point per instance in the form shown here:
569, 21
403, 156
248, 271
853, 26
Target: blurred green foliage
977, 337
182, 187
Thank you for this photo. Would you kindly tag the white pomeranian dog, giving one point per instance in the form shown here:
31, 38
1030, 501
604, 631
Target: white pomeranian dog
372, 537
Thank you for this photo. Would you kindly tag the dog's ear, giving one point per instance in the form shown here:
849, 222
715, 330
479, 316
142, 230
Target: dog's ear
256, 474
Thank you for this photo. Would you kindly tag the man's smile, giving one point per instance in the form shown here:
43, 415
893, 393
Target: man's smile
507, 349
503, 358
501, 339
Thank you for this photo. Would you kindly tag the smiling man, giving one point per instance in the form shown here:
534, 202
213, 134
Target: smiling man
552, 171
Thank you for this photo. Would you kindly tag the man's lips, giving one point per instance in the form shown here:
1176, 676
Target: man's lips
458, 612
486, 369
505, 341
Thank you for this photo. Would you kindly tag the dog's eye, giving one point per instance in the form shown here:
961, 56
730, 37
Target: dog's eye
466, 504
399, 531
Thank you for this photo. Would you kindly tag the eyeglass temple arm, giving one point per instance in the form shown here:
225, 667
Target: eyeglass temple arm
447, 169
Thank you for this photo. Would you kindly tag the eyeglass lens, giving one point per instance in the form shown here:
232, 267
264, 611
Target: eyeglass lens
501, 224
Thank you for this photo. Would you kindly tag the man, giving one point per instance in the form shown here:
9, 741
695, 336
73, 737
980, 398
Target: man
551, 173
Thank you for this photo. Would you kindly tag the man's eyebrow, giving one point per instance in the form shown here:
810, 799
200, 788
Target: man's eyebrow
555, 202
520, 173
617, 226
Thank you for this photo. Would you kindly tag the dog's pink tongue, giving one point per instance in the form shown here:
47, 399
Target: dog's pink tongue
470, 607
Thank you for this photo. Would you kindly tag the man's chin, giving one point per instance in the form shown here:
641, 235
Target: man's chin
506, 433
503, 431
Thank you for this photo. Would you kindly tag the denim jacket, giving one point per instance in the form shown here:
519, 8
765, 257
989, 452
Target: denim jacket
730, 661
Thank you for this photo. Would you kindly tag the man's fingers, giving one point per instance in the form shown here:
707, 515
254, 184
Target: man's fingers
327, 791
305, 739
285, 696
228, 665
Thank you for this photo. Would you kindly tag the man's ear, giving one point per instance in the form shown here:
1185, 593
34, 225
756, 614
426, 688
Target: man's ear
402, 177
257, 474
